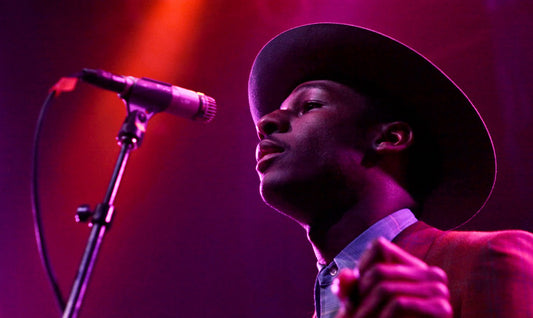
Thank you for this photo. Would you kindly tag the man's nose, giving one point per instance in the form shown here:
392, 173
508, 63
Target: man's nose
277, 121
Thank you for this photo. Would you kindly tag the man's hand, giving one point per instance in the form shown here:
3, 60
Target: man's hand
392, 283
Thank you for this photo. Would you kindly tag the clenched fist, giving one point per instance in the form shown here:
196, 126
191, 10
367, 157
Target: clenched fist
391, 283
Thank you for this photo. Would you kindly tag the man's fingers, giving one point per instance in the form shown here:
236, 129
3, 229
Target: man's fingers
383, 251
415, 307
420, 290
401, 299
345, 286
400, 273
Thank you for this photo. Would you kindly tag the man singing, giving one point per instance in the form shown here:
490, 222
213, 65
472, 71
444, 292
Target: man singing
368, 145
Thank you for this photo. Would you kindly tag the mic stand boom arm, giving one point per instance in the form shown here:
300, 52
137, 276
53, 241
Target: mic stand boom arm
129, 138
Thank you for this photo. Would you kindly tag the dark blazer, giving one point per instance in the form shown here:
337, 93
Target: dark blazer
490, 274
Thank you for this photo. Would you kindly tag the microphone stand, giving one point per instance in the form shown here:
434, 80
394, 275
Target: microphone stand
129, 138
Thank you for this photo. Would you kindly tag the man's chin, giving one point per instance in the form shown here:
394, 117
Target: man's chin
275, 187
281, 199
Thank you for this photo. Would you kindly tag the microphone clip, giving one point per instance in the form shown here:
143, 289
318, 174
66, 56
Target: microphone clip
134, 127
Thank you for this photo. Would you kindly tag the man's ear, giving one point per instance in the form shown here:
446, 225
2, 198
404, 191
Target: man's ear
393, 137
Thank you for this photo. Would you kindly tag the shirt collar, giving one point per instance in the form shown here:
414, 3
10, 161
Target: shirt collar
388, 227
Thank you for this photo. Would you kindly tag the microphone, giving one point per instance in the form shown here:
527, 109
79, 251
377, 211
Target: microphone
154, 96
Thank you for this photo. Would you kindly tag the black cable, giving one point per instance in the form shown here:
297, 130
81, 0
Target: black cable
37, 220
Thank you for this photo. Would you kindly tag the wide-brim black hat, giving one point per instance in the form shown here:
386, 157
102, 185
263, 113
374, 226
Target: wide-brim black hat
354, 55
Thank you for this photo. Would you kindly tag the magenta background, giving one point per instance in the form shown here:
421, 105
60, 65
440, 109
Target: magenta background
191, 236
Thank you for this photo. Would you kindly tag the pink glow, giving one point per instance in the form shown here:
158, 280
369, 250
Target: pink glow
190, 233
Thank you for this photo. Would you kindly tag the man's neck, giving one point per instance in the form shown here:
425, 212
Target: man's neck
328, 240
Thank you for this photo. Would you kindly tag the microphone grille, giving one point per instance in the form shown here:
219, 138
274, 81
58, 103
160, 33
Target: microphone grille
208, 108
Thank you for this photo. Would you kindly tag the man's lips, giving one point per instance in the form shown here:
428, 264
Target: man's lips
265, 151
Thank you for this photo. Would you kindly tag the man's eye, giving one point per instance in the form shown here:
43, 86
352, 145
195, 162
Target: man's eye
310, 105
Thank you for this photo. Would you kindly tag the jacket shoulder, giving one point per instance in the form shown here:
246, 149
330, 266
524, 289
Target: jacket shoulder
469, 249
490, 273
490, 243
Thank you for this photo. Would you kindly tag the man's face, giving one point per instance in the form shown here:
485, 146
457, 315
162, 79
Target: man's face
311, 149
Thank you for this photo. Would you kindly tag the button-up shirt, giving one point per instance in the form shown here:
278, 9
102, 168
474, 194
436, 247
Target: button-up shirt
326, 303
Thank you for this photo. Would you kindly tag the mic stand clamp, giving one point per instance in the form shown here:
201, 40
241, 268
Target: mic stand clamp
134, 127
129, 138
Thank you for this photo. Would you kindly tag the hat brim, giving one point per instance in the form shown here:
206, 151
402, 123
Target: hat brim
351, 54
